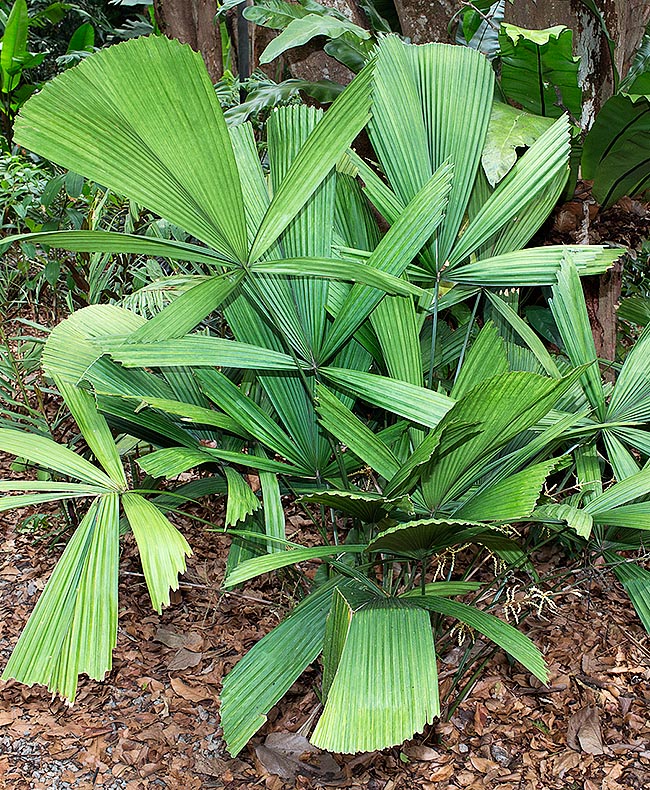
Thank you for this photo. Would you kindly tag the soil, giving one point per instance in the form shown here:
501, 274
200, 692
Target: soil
154, 721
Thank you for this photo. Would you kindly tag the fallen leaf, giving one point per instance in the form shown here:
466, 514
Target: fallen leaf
184, 659
287, 754
583, 732
424, 753
191, 640
192, 693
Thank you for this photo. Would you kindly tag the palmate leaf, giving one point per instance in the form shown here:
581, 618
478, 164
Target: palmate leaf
512, 499
50, 455
143, 119
73, 628
425, 536
576, 518
486, 358
366, 506
393, 253
630, 400
187, 310
324, 147
535, 266
431, 104
196, 351
499, 408
94, 429
510, 639
248, 414
385, 685
162, 547
73, 345
241, 499
536, 170
570, 314
636, 582
347, 428
280, 559
268, 670
419, 404
110, 241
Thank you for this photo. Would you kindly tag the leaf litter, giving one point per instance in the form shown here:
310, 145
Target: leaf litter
154, 721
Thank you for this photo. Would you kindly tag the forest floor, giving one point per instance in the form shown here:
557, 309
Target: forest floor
154, 721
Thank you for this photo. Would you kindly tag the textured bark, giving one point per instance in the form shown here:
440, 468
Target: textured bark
311, 63
193, 23
602, 295
423, 20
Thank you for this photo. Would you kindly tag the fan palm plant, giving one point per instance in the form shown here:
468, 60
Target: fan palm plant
320, 310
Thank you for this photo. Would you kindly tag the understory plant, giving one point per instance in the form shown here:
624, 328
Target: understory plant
379, 372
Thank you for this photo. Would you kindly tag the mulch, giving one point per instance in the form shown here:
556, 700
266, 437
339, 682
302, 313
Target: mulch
154, 721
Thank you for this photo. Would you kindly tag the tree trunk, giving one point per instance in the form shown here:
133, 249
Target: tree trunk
311, 63
423, 20
193, 23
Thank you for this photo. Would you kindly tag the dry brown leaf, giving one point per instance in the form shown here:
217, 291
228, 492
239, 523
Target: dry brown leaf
192, 693
191, 640
184, 659
423, 753
583, 732
287, 755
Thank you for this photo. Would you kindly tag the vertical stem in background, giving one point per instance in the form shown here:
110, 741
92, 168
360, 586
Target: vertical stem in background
434, 331
243, 50
467, 334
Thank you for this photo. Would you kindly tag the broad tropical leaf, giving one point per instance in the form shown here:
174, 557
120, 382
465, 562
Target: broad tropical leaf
385, 685
142, 118
73, 628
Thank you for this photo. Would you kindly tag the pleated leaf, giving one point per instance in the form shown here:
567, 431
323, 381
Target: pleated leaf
347, 428
630, 399
511, 499
94, 429
110, 241
197, 351
499, 408
280, 559
386, 686
331, 137
73, 345
431, 104
486, 358
264, 675
162, 547
537, 168
621, 493
187, 310
417, 538
535, 266
73, 628
510, 639
364, 505
143, 119
570, 314
419, 404
393, 253
50, 455
241, 499
636, 582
